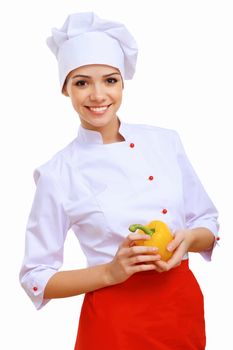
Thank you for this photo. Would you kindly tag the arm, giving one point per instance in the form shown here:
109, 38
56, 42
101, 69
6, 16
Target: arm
190, 240
128, 260
196, 240
43, 249
199, 239
46, 232
200, 231
69, 283
200, 214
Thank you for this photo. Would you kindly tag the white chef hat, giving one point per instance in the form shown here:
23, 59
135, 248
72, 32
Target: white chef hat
87, 39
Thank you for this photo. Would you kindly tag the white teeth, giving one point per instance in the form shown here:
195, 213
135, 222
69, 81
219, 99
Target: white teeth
98, 109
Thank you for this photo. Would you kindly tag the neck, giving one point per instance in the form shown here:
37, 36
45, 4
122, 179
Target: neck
110, 132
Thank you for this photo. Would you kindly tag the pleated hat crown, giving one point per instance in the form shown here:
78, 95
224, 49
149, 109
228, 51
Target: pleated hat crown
87, 39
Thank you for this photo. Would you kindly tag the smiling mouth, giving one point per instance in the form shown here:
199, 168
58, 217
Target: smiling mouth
98, 109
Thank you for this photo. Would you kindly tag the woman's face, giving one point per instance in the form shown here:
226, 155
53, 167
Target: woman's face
96, 94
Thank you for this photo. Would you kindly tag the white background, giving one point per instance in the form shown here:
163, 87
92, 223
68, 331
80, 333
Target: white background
184, 81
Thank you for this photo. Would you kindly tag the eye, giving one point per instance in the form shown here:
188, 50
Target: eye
81, 83
112, 80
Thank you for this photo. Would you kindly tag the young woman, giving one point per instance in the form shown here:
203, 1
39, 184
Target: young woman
113, 175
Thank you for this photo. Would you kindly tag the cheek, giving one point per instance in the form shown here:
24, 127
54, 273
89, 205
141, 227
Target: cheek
118, 96
77, 101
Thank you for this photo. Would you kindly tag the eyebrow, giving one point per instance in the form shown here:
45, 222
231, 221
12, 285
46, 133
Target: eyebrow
88, 76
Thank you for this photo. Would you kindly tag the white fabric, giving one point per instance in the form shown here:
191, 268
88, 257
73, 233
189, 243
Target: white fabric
87, 39
98, 190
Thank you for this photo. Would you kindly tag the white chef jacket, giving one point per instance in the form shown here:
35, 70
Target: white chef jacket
98, 190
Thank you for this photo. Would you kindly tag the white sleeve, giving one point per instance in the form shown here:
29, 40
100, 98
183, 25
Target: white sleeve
199, 209
45, 236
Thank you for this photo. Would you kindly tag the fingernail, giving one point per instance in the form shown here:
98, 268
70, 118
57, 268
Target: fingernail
169, 248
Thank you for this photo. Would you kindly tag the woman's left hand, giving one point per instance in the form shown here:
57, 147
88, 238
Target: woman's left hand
179, 246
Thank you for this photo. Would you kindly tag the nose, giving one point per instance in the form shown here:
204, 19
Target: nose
97, 94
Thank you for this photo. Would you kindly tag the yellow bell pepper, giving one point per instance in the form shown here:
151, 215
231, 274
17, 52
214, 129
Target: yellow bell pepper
160, 237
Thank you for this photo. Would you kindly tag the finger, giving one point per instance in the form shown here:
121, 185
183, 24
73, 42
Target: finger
161, 266
142, 267
178, 238
173, 245
168, 265
141, 249
142, 259
129, 240
157, 269
174, 261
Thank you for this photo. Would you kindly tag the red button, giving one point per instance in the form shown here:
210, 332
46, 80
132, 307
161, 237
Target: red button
151, 178
132, 145
164, 211
35, 289
217, 238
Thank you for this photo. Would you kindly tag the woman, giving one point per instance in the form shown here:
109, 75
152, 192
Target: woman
112, 175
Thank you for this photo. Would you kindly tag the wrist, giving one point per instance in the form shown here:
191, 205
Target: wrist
108, 277
190, 239
199, 239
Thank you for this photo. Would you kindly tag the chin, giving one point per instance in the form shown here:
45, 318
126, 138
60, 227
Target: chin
97, 122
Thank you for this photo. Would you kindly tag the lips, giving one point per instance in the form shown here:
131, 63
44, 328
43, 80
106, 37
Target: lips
98, 109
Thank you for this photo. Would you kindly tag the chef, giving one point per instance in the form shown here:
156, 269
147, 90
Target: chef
112, 175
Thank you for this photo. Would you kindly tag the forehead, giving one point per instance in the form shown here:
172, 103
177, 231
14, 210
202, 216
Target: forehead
94, 70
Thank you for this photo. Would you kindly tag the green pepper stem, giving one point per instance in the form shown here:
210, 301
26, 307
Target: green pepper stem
145, 229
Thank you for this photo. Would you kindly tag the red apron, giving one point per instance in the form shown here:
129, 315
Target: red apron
149, 311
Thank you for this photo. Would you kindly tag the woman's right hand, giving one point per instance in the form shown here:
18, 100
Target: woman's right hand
131, 258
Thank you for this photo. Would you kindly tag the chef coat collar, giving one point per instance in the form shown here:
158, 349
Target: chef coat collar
87, 136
